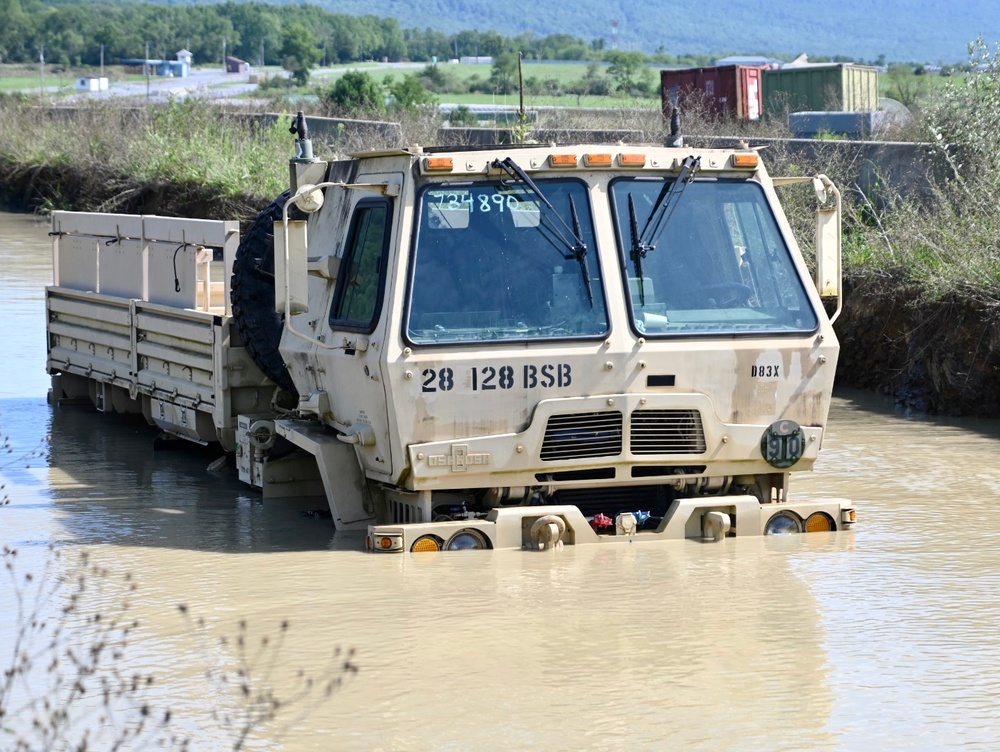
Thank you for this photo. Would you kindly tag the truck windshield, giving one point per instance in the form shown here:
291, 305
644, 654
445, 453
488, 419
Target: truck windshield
720, 265
493, 262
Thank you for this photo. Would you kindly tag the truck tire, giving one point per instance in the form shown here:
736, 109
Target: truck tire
252, 294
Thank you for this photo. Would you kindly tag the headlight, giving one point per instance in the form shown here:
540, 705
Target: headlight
783, 523
466, 540
426, 543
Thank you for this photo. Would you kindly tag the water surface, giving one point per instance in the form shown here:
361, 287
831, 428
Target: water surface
882, 638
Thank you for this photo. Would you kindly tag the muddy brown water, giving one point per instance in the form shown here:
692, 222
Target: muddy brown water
887, 637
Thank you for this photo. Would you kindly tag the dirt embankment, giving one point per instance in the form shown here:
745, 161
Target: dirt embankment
940, 357
51, 186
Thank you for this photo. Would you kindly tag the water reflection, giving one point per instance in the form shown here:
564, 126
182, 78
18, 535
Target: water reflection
25, 268
111, 486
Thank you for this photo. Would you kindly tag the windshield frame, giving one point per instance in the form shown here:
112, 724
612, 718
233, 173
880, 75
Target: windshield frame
802, 290
570, 264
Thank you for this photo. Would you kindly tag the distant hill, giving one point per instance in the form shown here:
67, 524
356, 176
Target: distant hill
925, 31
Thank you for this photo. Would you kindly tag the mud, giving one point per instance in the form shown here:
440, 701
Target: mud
932, 356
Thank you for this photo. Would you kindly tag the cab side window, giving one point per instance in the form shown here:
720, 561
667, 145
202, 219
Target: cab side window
358, 298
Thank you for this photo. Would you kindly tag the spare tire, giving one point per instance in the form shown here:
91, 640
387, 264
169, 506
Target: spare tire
252, 294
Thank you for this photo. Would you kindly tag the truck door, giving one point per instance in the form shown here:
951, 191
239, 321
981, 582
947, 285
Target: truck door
358, 394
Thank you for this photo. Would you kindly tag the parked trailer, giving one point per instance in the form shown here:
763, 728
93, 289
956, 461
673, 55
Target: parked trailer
480, 348
725, 90
834, 87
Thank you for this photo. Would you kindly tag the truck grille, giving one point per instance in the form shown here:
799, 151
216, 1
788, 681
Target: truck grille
667, 432
570, 437
615, 499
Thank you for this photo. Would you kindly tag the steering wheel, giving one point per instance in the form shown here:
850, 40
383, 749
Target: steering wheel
725, 294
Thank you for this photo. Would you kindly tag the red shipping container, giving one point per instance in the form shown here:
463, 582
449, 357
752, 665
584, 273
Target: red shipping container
727, 90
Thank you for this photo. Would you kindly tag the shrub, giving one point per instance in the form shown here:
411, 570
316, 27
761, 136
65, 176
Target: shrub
354, 93
462, 117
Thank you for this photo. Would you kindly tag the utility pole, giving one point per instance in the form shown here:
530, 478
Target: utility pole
522, 115
146, 68
41, 70
102, 61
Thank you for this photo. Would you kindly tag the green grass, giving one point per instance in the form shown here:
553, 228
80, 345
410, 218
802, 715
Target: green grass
17, 78
110, 153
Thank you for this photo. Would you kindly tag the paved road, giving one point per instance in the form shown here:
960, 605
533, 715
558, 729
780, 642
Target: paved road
211, 83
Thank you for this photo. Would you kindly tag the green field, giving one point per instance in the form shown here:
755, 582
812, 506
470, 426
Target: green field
546, 83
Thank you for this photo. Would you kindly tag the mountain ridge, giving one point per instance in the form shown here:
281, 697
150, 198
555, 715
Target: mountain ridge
924, 31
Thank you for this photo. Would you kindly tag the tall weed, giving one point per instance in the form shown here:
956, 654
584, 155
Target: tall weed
182, 142
949, 243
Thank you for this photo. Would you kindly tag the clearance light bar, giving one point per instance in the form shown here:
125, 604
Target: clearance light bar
597, 160
438, 164
746, 160
632, 160
563, 160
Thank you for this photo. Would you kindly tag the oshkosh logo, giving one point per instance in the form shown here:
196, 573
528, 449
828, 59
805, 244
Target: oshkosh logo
459, 459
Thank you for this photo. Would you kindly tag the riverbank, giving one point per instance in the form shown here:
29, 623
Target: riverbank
938, 356
41, 188
932, 353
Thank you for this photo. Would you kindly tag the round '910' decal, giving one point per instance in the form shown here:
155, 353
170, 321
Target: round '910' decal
783, 443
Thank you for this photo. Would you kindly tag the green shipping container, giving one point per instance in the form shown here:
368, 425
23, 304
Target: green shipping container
843, 87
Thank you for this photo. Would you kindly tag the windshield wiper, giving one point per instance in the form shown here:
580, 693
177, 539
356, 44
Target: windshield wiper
577, 247
639, 251
663, 209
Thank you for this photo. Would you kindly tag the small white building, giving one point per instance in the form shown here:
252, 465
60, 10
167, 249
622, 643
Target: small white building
92, 83
184, 56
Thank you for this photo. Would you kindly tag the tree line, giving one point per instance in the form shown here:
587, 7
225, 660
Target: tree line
87, 34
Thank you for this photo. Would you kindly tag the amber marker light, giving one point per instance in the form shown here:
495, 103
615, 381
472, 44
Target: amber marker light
632, 160
562, 160
426, 543
388, 542
438, 164
597, 160
818, 522
746, 160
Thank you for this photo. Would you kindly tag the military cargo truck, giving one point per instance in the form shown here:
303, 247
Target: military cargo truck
501, 347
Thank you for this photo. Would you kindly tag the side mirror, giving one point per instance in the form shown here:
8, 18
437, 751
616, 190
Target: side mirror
828, 236
291, 289
828, 239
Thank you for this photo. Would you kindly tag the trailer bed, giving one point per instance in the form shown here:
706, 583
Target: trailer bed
139, 321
